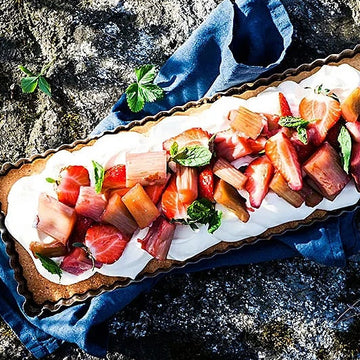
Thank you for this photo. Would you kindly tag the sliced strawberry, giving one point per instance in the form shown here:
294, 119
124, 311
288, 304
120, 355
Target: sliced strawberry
246, 122
106, 243
89, 203
333, 133
155, 191
304, 151
82, 225
206, 183
350, 108
258, 144
77, 262
259, 174
272, 125
115, 177
323, 112
282, 154
194, 136
171, 205
158, 239
284, 106
71, 178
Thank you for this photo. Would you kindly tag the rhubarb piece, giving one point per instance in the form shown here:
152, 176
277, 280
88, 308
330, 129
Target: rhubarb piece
191, 137
90, 203
171, 206
55, 218
78, 261
146, 168
354, 129
284, 106
224, 170
246, 122
68, 187
49, 249
310, 195
324, 168
355, 164
206, 183
228, 196
158, 239
273, 126
140, 206
323, 112
155, 191
186, 183
314, 185
333, 135
280, 187
282, 154
118, 215
350, 108
257, 145
259, 174
115, 177
230, 146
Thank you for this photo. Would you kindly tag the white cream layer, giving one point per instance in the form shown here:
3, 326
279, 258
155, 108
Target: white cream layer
111, 149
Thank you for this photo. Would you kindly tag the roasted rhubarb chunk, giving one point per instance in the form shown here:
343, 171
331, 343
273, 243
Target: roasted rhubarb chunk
155, 191
310, 195
146, 168
158, 239
324, 168
282, 155
90, 203
187, 183
280, 187
140, 206
350, 108
246, 122
355, 164
354, 130
50, 249
55, 218
229, 197
225, 171
118, 215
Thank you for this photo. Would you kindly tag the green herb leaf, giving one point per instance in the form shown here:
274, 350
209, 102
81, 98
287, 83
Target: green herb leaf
302, 134
215, 221
44, 86
29, 84
327, 92
99, 176
26, 70
137, 94
292, 121
192, 156
50, 180
50, 265
344, 140
174, 149
88, 252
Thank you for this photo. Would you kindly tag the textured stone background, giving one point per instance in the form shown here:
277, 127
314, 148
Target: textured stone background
277, 310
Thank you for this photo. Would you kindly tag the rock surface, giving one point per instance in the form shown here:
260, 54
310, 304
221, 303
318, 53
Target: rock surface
282, 309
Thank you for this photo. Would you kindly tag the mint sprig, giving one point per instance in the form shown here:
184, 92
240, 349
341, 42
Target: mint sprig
192, 156
296, 122
344, 140
99, 173
143, 90
50, 265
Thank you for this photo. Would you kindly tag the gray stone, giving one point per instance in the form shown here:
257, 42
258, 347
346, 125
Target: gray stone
281, 309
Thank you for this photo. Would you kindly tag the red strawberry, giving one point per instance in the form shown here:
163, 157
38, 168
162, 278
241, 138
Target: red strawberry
115, 177
82, 225
304, 151
171, 206
155, 191
206, 183
284, 106
105, 242
283, 156
259, 173
71, 178
194, 136
323, 111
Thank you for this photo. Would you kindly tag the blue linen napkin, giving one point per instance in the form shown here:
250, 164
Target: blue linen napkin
238, 42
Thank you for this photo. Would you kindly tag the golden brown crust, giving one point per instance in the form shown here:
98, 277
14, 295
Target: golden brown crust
43, 290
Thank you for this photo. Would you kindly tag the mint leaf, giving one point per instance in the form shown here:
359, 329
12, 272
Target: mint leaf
99, 176
292, 121
302, 134
174, 149
50, 265
88, 252
142, 91
44, 86
50, 180
214, 221
26, 70
194, 155
344, 140
29, 84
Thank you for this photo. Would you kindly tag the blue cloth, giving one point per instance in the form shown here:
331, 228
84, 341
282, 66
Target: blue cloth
238, 42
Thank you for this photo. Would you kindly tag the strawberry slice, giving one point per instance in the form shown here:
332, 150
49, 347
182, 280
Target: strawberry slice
323, 112
259, 173
115, 177
284, 106
71, 178
105, 242
282, 154
206, 183
194, 136
82, 225
155, 191
171, 205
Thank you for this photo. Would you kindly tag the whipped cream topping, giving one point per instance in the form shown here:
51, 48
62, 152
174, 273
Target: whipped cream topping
110, 150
